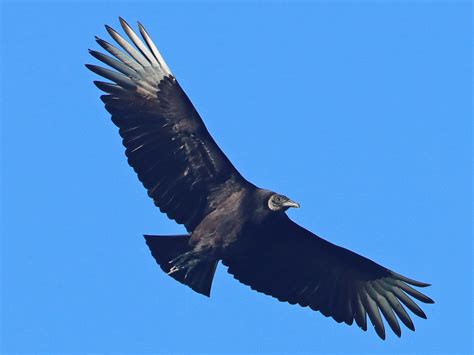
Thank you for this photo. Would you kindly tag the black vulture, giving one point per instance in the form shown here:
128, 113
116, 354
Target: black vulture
228, 218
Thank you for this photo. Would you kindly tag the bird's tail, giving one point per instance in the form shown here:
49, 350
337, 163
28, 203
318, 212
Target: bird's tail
174, 255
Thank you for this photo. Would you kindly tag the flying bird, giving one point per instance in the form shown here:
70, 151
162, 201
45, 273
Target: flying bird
228, 218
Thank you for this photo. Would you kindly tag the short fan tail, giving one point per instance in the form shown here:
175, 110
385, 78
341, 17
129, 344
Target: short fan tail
175, 257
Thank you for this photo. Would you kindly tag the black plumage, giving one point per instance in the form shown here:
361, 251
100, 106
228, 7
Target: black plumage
228, 218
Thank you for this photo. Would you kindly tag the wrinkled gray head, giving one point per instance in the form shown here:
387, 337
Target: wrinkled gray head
278, 202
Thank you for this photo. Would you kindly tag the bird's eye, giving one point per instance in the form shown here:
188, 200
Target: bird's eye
279, 199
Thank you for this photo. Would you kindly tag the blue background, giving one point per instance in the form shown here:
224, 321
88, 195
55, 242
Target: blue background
358, 110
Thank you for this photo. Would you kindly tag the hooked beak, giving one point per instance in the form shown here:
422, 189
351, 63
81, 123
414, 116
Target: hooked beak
291, 203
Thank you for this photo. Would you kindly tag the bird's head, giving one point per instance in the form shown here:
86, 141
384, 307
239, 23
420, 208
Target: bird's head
278, 202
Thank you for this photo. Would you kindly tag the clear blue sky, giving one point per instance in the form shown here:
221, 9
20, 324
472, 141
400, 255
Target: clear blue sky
360, 111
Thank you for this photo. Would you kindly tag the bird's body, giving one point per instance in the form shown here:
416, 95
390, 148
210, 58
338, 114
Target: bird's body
228, 218
239, 221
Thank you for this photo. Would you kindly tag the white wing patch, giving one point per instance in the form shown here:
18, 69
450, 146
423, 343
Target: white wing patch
139, 68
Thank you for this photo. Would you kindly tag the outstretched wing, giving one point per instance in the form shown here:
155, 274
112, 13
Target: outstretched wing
166, 142
292, 264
